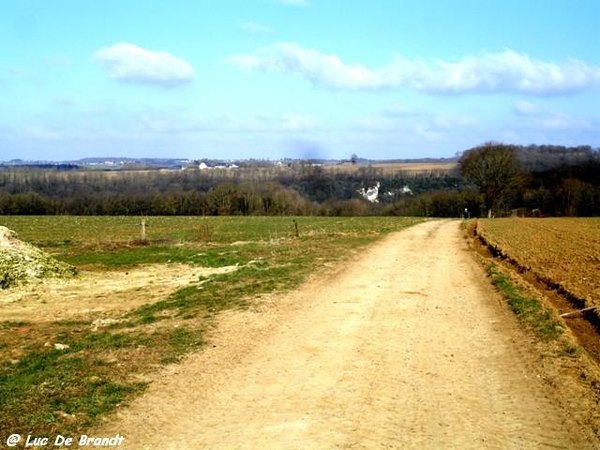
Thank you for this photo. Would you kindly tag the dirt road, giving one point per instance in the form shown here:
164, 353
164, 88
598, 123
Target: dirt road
406, 347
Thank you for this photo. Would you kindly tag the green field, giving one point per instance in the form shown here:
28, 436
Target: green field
56, 230
45, 390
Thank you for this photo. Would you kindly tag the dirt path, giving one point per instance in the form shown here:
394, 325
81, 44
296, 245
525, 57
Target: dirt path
407, 347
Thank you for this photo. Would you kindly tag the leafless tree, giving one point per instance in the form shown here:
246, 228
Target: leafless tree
495, 170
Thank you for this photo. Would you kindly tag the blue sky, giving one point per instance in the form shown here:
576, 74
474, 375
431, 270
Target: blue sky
295, 78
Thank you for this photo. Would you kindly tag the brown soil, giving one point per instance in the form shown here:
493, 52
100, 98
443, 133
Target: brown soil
407, 347
563, 253
586, 325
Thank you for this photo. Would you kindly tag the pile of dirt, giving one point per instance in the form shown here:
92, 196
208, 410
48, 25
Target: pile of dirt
21, 263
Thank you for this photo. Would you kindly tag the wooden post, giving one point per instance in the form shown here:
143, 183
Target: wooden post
296, 225
143, 228
569, 314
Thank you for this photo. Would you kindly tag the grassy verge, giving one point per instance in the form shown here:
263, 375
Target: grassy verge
47, 388
529, 310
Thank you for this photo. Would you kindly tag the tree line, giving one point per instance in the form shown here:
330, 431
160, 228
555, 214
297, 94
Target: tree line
303, 190
492, 179
509, 181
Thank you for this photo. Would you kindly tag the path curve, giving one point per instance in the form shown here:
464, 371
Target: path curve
407, 347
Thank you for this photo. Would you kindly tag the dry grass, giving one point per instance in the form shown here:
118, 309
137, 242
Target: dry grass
387, 169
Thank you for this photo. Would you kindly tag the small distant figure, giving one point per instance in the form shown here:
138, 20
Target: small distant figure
466, 214
536, 213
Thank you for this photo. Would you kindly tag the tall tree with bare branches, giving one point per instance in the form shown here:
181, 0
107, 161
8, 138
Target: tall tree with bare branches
495, 170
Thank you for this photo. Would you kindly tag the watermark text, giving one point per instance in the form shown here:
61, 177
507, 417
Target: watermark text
59, 440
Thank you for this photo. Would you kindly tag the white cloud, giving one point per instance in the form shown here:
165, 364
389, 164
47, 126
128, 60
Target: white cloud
156, 121
559, 122
130, 63
506, 71
536, 117
414, 124
287, 122
257, 28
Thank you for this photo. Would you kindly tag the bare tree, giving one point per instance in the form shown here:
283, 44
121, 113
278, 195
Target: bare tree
495, 170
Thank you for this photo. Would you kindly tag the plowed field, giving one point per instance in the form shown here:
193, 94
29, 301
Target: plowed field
562, 252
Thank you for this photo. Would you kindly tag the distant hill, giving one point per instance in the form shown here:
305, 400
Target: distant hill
535, 158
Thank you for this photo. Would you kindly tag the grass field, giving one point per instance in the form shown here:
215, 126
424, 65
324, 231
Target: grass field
59, 374
562, 252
